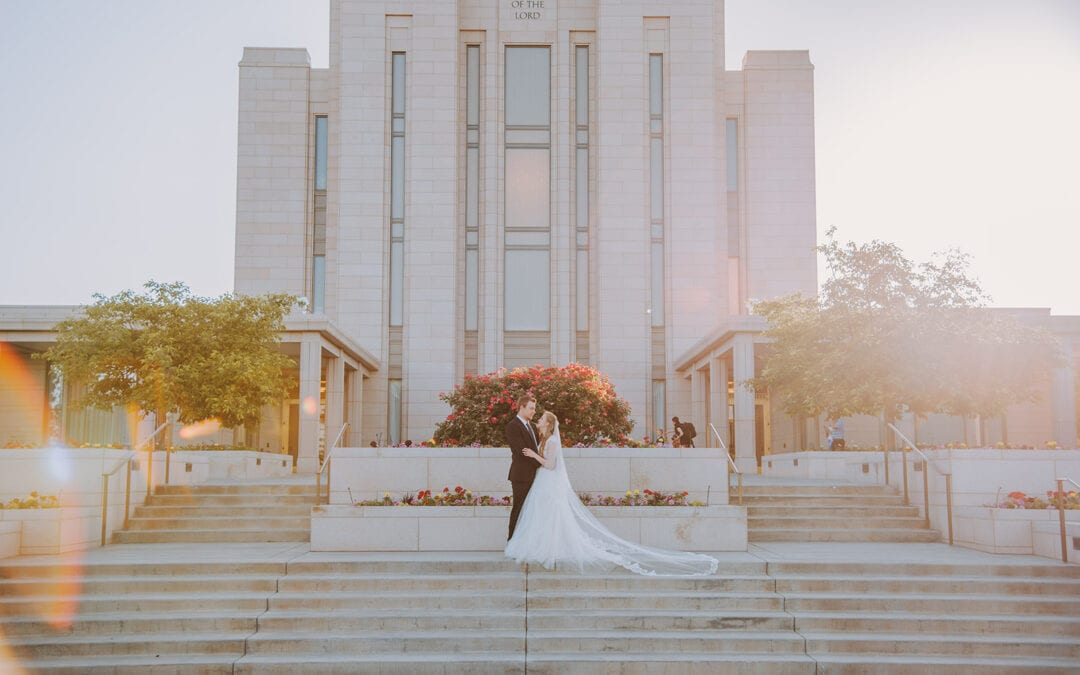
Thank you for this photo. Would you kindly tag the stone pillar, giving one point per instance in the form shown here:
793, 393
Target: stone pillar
745, 442
718, 408
698, 408
1063, 402
335, 400
307, 460
354, 385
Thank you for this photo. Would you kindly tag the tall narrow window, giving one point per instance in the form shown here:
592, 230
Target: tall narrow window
581, 185
659, 405
397, 189
732, 155
528, 188
318, 240
656, 185
472, 186
734, 238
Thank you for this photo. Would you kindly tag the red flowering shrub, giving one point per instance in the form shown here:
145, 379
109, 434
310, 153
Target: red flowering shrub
589, 411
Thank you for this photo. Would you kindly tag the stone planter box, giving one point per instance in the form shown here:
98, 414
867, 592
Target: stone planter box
483, 528
10, 532
51, 531
1005, 530
191, 467
1046, 539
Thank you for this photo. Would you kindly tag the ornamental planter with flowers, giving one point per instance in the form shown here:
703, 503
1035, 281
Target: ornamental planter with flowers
1007, 526
458, 520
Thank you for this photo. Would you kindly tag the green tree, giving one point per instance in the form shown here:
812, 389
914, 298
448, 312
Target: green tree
585, 402
885, 334
168, 351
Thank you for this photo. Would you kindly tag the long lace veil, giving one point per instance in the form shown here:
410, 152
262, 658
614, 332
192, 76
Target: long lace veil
606, 548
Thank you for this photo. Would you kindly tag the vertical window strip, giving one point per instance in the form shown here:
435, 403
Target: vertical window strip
732, 155
656, 184
659, 405
472, 186
397, 188
318, 224
393, 422
581, 186
527, 195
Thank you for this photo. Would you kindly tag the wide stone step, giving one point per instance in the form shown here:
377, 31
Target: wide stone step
815, 511
658, 620
276, 511
818, 490
838, 535
167, 584
938, 624
945, 584
29, 568
727, 569
984, 605
57, 605
923, 644
405, 564
835, 522
444, 601
154, 643
831, 500
321, 622
270, 502
645, 585
630, 601
209, 536
244, 489
912, 664
377, 642
842, 569
115, 623
127, 664
402, 582
684, 663
266, 522
659, 642
440, 663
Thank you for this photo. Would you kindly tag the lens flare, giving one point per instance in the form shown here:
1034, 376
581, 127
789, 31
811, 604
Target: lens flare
203, 428
310, 406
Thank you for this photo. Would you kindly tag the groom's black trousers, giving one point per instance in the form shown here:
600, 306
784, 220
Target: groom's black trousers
521, 490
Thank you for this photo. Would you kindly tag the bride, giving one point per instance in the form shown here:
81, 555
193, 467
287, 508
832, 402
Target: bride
555, 527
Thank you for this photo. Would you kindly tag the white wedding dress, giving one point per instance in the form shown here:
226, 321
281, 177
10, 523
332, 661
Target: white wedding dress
555, 527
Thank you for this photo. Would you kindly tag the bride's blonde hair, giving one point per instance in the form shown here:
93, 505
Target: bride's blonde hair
554, 422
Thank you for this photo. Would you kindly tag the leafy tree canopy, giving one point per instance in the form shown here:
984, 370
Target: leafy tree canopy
585, 402
166, 350
885, 333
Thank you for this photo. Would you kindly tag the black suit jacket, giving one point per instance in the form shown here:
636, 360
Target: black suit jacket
522, 468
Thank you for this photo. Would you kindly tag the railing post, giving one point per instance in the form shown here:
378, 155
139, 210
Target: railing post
948, 504
886, 463
104, 504
1061, 519
318, 486
149, 470
329, 462
167, 453
926, 490
127, 495
740, 489
903, 455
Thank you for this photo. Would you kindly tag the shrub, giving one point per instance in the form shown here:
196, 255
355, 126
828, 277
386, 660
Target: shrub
589, 411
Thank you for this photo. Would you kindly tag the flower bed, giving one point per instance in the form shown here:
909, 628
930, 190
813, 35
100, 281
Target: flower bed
34, 501
459, 496
483, 528
1069, 501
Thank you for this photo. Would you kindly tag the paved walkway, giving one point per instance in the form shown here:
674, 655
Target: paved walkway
839, 552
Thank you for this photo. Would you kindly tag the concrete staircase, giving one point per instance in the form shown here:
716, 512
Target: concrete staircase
836, 513
349, 613
240, 512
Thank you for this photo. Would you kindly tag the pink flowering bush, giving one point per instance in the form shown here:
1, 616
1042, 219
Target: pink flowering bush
585, 401
459, 496
1018, 500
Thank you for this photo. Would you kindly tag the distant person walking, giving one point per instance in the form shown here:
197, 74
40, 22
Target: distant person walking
683, 433
836, 434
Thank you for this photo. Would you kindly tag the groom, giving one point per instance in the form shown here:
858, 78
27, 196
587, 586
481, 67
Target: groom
520, 434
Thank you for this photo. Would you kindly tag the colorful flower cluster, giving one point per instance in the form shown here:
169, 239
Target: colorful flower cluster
34, 501
459, 496
1069, 501
644, 497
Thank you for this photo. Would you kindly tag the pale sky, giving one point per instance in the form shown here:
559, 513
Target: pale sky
939, 124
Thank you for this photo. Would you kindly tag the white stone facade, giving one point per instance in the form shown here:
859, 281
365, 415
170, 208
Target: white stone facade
718, 247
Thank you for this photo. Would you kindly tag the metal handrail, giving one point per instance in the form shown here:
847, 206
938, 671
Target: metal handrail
927, 462
150, 455
1061, 515
326, 467
105, 492
731, 462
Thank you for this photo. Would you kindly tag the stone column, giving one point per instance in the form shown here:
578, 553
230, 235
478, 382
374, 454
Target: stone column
745, 442
335, 399
698, 409
718, 408
307, 460
354, 385
1063, 402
